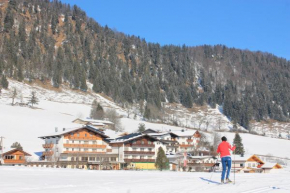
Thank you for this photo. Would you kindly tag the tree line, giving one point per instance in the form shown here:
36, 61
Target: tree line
59, 44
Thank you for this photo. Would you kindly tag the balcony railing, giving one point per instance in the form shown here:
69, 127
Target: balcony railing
81, 138
84, 152
181, 145
140, 152
84, 145
189, 140
48, 153
143, 145
13, 161
48, 145
139, 160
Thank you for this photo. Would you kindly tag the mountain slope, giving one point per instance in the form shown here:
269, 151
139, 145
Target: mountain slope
58, 44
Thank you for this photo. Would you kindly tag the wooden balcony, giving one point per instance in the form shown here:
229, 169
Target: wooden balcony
181, 145
200, 164
84, 146
139, 160
82, 138
12, 161
140, 152
142, 145
84, 152
189, 140
48, 153
109, 150
48, 145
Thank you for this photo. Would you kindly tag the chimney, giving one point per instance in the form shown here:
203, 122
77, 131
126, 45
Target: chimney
63, 129
56, 129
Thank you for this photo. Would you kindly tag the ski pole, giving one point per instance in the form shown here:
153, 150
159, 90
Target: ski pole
234, 167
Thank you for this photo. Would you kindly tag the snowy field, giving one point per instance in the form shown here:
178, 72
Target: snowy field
59, 109
49, 180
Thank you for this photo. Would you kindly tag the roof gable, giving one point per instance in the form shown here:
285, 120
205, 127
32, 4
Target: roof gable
66, 131
15, 150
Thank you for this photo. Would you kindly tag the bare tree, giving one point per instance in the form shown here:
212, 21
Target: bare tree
112, 116
13, 95
201, 145
216, 141
219, 123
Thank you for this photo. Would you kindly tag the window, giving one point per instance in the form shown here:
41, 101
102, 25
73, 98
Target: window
80, 149
91, 135
113, 159
20, 157
94, 142
92, 158
150, 149
86, 142
72, 149
72, 159
142, 157
86, 149
241, 165
149, 142
84, 158
253, 165
142, 142
249, 165
78, 134
72, 134
9, 157
85, 135
67, 141
134, 149
142, 149
134, 142
97, 158
67, 149
73, 141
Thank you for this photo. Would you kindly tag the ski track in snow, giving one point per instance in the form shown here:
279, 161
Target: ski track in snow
53, 180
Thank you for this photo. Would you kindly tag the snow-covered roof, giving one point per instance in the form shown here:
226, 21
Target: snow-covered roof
268, 165
158, 134
63, 131
184, 133
130, 137
240, 158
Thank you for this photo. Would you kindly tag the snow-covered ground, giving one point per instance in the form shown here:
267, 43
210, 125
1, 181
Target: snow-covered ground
60, 108
50, 180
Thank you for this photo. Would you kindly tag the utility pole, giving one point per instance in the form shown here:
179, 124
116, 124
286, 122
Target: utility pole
1, 147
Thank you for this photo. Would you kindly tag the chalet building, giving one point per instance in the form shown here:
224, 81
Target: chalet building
15, 157
136, 151
247, 164
100, 124
167, 141
271, 167
187, 140
82, 147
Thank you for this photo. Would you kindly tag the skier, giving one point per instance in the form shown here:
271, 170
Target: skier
223, 150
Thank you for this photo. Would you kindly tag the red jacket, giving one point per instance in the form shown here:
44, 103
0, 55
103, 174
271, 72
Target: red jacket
224, 149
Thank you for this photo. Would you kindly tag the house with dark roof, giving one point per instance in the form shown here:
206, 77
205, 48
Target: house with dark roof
136, 151
81, 147
15, 157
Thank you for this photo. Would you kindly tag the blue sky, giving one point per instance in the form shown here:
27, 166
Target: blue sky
247, 24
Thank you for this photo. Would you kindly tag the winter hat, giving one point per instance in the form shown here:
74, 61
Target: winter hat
224, 138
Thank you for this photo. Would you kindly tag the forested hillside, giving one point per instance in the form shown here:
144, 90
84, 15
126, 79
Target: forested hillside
59, 44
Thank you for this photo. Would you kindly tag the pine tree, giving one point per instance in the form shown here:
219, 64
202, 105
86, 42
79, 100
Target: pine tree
16, 145
141, 127
162, 162
33, 99
97, 111
239, 145
4, 82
